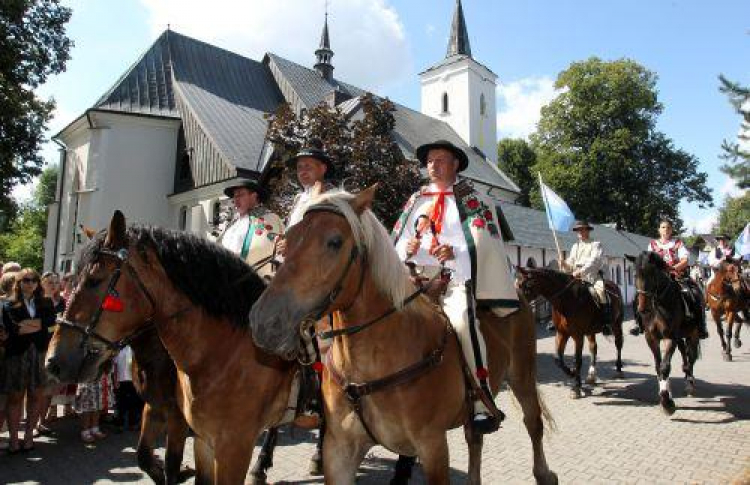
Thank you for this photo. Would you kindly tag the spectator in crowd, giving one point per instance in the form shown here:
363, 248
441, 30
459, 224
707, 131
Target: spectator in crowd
128, 404
7, 280
68, 284
26, 317
51, 288
93, 398
10, 267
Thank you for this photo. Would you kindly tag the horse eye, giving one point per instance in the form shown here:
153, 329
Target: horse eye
335, 243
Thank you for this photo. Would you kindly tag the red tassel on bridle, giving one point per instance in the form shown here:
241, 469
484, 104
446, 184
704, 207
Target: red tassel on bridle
113, 303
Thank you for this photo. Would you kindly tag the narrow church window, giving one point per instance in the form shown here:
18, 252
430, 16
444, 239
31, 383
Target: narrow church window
445, 102
482, 105
182, 223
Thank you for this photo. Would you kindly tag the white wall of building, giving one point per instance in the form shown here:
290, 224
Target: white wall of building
465, 83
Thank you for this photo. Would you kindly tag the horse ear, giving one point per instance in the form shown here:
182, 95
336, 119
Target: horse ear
116, 233
317, 189
88, 232
364, 199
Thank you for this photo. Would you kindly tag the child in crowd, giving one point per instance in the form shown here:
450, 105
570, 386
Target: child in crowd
128, 404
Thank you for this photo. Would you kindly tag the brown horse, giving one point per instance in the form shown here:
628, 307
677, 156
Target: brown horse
227, 389
665, 322
394, 374
575, 314
724, 297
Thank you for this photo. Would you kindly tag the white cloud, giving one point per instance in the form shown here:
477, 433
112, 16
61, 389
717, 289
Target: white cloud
703, 223
520, 105
729, 189
368, 39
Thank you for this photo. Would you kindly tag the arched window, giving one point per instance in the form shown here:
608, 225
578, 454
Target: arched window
445, 102
530, 263
482, 105
182, 222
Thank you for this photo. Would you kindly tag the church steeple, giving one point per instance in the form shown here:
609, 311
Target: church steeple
458, 44
324, 53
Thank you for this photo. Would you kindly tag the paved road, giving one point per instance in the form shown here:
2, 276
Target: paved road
615, 434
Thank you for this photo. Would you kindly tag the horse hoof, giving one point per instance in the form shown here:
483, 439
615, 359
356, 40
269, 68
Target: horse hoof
575, 393
549, 478
690, 391
737, 343
185, 474
727, 357
316, 467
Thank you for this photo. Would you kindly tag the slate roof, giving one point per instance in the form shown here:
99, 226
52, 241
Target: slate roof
530, 229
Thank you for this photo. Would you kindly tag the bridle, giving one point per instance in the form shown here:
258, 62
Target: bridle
88, 330
657, 294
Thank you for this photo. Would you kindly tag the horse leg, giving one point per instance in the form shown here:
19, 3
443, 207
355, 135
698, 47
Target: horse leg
665, 397
522, 382
153, 426
475, 441
576, 392
716, 315
561, 340
341, 457
316, 462
619, 340
177, 433
686, 359
265, 457
436, 463
591, 377
737, 341
728, 348
232, 458
204, 462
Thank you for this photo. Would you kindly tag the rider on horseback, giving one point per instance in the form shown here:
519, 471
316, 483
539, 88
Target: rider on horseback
723, 252
586, 262
674, 253
462, 244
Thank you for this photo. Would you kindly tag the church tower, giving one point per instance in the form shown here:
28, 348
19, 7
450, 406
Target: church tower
324, 54
461, 91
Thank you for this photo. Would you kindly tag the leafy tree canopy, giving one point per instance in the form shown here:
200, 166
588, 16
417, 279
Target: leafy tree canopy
517, 159
737, 157
362, 149
598, 147
734, 215
33, 46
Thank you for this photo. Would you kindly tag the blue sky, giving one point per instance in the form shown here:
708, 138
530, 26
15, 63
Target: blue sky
383, 44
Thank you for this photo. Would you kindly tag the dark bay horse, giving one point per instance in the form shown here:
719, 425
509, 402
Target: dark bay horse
664, 318
576, 315
228, 390
724, 298
397, 381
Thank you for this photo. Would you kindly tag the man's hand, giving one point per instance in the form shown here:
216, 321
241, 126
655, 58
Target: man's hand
29, 326
413, 246
577, 273
443, 253
280, 245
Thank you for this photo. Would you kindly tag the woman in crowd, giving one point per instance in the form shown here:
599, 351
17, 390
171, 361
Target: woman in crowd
7, 280
56, 394
26, 317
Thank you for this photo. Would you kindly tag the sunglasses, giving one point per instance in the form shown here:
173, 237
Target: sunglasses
29, 280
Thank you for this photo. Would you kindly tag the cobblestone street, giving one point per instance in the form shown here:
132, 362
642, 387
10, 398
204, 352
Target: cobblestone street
615, 434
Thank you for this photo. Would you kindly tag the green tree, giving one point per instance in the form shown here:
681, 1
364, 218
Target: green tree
517, 159
24, 241
734, 215
598, 147
363, 151
738, 159
33, 46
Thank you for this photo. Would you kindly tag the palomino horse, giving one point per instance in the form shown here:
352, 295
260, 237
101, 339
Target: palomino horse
227, 389
575, 314
394, 373
724, 298
665, 323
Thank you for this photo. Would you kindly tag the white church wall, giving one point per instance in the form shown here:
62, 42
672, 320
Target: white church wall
453, 81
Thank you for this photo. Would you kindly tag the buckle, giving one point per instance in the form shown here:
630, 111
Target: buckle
353, 393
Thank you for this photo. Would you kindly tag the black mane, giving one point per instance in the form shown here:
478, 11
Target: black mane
649, 258
209, 275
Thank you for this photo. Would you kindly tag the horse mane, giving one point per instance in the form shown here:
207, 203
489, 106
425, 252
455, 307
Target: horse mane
388, 271
209, 275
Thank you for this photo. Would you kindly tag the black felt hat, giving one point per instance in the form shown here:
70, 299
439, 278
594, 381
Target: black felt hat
582, 225
250, 184
463, 160
724, 237
316, 153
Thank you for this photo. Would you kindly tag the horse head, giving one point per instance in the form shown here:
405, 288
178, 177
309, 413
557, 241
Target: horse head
328, 254
536, 282
650, 271
109, 304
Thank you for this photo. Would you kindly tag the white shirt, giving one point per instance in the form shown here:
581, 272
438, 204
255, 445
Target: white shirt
297, 211
123, 361
682, 252
452, 234
234, 238
30, 307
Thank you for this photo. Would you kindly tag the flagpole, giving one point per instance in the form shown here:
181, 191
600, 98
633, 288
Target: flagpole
551, 226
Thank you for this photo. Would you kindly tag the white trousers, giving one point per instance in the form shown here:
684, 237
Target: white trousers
456, 304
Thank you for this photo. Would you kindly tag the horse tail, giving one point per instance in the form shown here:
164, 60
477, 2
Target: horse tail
549, 421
